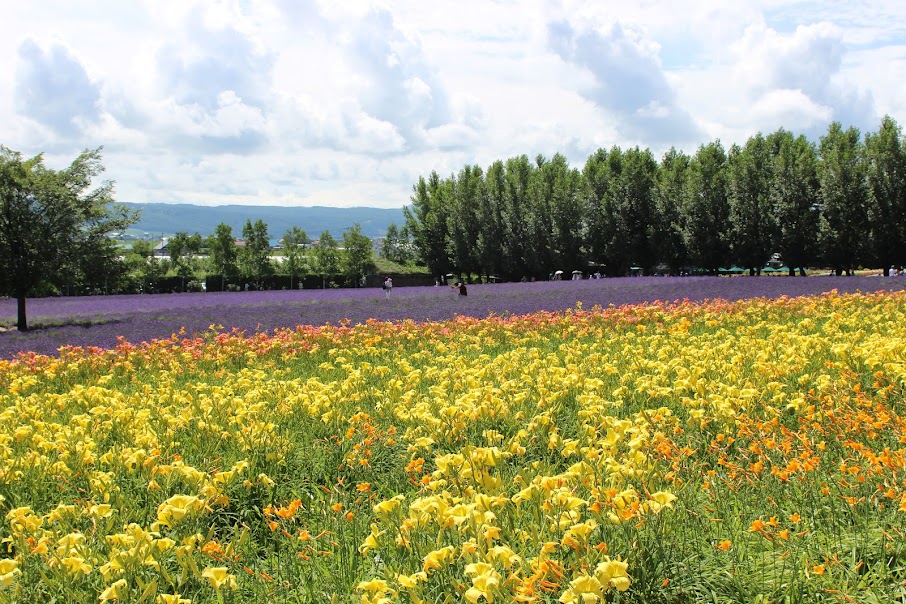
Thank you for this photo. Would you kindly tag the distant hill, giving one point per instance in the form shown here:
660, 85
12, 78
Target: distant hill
167, 219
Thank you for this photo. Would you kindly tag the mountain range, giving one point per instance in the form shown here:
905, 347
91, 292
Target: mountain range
158, 219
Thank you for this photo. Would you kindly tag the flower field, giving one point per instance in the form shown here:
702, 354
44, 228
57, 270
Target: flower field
720, 451
101, 321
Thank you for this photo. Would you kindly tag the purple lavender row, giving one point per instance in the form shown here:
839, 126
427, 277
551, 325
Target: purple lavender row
146, 317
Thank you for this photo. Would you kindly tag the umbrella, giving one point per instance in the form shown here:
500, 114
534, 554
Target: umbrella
558, 272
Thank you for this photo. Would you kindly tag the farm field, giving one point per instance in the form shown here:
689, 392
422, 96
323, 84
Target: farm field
593, 448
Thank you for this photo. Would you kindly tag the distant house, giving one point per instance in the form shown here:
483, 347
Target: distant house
162, 249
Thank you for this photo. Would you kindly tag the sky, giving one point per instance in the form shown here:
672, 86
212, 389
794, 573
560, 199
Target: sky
304, 103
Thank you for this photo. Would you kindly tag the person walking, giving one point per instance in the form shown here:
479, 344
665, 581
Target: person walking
388, 287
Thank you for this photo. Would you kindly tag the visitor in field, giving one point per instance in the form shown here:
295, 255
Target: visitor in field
388, 287
462, 288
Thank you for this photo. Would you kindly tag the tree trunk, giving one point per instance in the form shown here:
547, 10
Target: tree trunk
792, 270
802, 271
21, 321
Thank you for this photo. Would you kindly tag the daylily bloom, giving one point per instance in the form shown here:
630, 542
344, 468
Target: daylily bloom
218, 576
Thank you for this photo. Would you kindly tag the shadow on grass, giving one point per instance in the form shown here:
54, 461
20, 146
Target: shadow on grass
39, 326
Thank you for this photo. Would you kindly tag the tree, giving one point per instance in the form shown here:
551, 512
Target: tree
222, 250
885, 156
397, 245
184, 248
843, 223
463, 218
538, 250
597, 179
669, 190
606, 219
490, 244
326, 257
391, 242
637, 209
48, 218
794, 197
426, 219
706, 210
254, 257
567, 212
753, 225
142, 267
295, 241
358, 257
514, 214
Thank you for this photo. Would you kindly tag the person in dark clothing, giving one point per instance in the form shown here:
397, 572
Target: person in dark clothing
462, 288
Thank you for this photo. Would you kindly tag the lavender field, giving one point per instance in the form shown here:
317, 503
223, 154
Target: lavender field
101, 320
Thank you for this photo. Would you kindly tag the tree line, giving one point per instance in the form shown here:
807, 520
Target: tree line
840, 203
249, 260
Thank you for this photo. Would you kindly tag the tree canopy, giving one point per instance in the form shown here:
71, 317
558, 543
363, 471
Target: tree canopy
53, 222
839, 203
358, 257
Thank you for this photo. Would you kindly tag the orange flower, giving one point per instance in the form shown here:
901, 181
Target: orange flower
724, 545
290, 510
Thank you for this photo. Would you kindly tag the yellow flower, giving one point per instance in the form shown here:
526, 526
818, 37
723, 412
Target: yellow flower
490, 533
483, 584
176, 508
76, 565
438, 558
478, 568
116, 591
218, 577
172, 599
370, 542
412, 581
384, 508
661, 500
613, 573
9, 569
468, 548
378, 589
23, 520
99, 511
585, 589
504, 555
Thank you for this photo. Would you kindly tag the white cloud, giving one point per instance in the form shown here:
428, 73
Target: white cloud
316, 102
53, 89
628, 81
